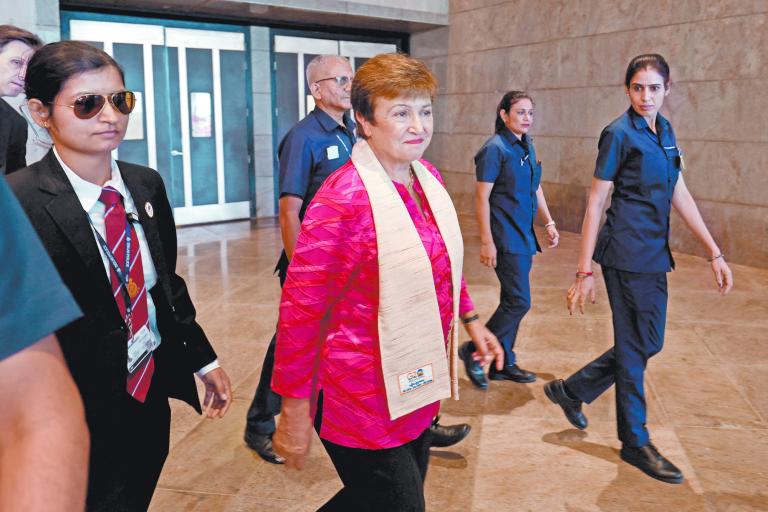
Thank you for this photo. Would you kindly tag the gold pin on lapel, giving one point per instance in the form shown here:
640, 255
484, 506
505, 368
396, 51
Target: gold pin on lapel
148, 208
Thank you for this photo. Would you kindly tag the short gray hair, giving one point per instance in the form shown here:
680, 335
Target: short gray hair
314, 66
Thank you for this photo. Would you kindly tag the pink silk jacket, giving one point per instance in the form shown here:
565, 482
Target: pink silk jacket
327, 334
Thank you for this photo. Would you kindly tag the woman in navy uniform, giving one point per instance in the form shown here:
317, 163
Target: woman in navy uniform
507, 197
639, 157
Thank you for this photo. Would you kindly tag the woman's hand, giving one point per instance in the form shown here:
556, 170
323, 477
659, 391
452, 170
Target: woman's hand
723, 275
487, 346
294, 432
553, 236
488, 254
218, 393
581, 288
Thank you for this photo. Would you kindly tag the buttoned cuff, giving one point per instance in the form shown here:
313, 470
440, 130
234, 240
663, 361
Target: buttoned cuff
207, 368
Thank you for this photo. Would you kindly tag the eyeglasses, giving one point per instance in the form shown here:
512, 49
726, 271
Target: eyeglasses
341, 81
90, 105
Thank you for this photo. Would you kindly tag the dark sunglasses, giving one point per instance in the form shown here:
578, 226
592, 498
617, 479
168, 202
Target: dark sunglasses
89, 105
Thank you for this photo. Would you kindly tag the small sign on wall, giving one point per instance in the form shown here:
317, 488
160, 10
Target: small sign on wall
135, 129
202, 116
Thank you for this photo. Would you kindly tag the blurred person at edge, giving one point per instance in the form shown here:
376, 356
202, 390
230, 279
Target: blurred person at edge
43, 434
109, 230
638, 156
16, 48
373, 297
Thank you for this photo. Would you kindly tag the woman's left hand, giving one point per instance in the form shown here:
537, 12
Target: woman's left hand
486, 344
723, 275
218, 393
553, 236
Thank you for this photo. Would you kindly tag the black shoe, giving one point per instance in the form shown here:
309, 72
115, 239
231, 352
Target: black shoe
648, 460
474, 369
513, 373
555, 391
443, 436
262, 444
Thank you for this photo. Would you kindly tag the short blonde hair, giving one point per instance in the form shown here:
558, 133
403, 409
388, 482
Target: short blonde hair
390, 75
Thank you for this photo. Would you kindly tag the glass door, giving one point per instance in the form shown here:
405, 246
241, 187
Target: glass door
191, 118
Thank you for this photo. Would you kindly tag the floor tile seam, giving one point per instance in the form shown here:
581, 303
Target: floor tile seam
745, 397
659, 400
684, 363
763, 430
189, 491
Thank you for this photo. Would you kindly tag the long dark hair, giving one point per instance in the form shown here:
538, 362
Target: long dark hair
647, 60
55, 63
506, 104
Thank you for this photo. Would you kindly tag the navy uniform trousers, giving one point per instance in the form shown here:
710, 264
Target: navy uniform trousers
513, 271
266, 403
639, 306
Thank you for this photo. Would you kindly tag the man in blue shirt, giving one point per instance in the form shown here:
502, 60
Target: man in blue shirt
314, 148
43, 435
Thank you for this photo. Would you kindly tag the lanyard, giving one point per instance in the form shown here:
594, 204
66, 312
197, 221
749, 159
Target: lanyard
123, 276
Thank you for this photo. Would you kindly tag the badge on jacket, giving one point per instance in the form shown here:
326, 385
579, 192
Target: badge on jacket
148, 208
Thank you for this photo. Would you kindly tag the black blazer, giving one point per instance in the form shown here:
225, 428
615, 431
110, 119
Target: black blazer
95, 346
13, 139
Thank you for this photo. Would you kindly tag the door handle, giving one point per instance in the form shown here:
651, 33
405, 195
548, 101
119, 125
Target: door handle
176, 152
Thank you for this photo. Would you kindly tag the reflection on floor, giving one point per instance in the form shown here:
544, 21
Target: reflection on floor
707, 400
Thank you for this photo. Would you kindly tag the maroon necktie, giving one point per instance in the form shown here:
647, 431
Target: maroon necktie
115, 221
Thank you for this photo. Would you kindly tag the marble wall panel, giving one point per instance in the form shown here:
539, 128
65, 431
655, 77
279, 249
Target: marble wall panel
740, 231
727, 171
571, 56
430, 43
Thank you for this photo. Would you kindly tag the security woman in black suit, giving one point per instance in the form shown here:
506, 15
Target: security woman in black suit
110, 232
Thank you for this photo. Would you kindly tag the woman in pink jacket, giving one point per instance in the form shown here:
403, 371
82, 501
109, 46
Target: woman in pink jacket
372, 300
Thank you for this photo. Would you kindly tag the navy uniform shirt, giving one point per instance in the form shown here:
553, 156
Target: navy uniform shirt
510, 164
644, 168
33, 300
314, 148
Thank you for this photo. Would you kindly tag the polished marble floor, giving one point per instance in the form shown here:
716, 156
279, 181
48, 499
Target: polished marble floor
707, 399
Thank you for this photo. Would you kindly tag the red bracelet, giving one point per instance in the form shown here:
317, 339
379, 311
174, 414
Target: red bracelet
582, 275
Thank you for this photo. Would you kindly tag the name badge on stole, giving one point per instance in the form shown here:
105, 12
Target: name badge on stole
415, 379
332, 152
140, 346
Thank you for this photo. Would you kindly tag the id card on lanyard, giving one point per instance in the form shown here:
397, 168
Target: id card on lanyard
142, 343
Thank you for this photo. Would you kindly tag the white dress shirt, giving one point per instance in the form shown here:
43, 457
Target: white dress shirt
88, 193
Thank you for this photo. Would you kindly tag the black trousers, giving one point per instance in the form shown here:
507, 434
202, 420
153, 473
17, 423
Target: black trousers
266, 403
128, 451
387, 480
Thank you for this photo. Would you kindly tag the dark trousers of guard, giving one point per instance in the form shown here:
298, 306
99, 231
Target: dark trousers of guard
266, 403
639, 306
386, 480
513, 271
128, 451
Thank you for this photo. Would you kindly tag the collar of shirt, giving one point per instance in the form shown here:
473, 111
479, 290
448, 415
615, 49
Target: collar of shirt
329, 124
524, 141
640, 123
88, 193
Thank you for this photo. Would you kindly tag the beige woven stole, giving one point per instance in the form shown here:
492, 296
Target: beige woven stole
413, 357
